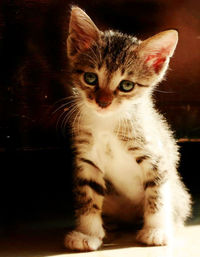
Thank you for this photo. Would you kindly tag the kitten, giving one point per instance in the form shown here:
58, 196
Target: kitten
126, 157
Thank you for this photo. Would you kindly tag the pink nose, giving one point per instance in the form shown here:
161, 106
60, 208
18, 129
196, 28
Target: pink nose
104, 98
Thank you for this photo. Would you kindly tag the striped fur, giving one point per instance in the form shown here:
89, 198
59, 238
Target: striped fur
125, 155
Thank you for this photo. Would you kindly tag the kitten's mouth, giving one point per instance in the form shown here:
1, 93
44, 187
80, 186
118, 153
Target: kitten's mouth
103, 111
100, 109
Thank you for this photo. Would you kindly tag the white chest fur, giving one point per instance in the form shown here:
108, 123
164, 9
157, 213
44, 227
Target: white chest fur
117, 164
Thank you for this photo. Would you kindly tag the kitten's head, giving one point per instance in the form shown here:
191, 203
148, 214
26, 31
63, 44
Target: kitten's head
110, 69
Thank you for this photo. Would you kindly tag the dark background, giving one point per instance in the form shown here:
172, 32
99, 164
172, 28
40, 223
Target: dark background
35, 157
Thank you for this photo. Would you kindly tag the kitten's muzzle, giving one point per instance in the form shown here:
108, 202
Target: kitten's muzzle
103, 104
104, 98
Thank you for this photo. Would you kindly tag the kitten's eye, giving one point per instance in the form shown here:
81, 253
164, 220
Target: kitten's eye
90, 78
126, 86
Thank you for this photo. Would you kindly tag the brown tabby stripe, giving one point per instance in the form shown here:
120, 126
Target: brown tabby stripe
110, 189
122, 71
125, 139
133, 148
85, 132
86, 207
83, 204
81, 194
90, 163
130, 73
154, 167
154, 203
116, 48
157, 181
141, 158
83, 207
95, 207
99, 189
82, 141
150, 183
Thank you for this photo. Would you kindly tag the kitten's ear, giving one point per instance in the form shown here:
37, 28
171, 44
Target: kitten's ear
82, 32
156, 50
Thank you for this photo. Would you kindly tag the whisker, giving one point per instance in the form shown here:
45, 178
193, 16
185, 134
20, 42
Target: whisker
80, 116
165, 92
70, 114
67, 118
129, 123
119, 127
71, 103
60, 118
77, 110
124, 128
76, 121
65, 98
64, 113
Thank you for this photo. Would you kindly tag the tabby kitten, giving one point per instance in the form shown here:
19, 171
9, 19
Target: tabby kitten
126, 156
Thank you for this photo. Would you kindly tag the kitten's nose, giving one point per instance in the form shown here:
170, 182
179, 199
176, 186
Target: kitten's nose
104, 98
103, 104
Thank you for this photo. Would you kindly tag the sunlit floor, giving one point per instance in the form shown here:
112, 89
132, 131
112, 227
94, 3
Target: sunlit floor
47, 241
187, 244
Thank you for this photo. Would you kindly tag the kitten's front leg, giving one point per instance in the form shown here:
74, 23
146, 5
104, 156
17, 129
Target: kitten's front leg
157, 229
90, 190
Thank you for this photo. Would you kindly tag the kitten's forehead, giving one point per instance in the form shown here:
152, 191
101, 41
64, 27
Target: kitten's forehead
118, 48
116, 53
108, 79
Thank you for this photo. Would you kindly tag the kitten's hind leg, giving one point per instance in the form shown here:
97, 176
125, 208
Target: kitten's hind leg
90, 190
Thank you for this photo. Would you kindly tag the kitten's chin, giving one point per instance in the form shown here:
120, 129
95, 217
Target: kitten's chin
103, 111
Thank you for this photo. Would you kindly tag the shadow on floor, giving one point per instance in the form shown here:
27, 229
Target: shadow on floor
41, 240
33, 243
49, 242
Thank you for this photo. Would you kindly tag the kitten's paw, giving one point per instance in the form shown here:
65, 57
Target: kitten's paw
82, 242
153, 236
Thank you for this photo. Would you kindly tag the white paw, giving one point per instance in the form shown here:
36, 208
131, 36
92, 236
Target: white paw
153, 236
82, 242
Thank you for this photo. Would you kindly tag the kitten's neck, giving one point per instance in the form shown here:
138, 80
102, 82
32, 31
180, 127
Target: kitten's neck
136, 113
108, 121
99, 121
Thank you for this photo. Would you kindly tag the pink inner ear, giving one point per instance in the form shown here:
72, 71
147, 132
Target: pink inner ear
156, 61
86, 43
83, 41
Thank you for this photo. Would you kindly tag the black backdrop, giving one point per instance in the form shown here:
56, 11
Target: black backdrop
34, 152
